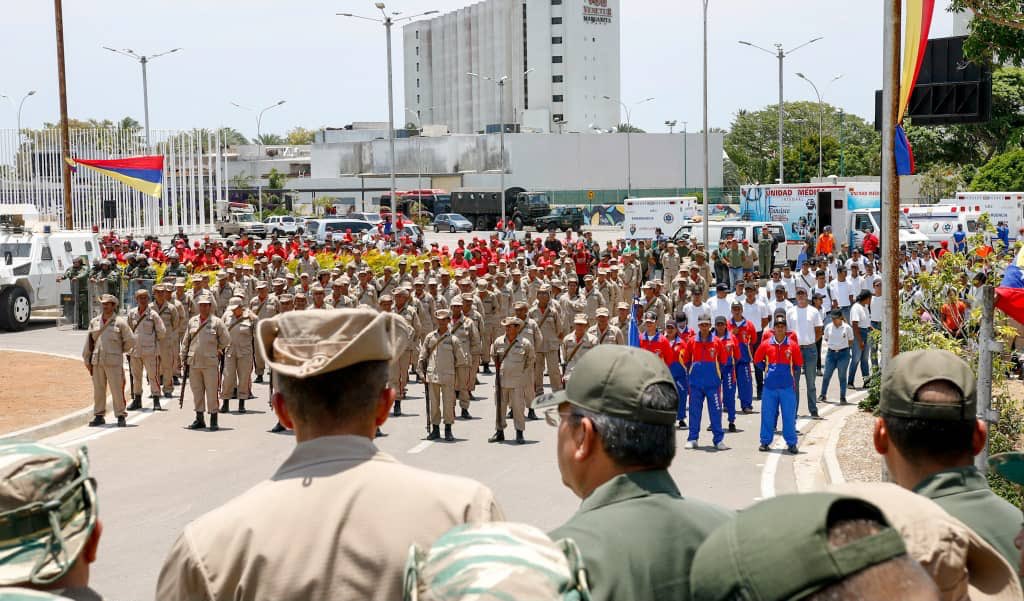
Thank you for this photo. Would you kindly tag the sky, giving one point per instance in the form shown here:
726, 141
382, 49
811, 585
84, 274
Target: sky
331, 70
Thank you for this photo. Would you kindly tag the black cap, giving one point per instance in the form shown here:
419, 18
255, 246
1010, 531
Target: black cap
863, 294
722, 287
837, 314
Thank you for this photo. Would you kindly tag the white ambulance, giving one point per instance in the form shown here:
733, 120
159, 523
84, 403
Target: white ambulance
939, 222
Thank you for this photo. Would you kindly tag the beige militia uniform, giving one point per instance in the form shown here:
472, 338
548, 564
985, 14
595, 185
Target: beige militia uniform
444, 355
519, 293
515, 360
166, 350
573, 350
531, 331
670, 263
611, 335
503, 297
199, 349
262, 309
222, 294
179, 306
150, 331
350, 506
479, 347
630, 275
342, 301
238, 358
551, 325
491, 319
105, 347
593, 300
468, 337
386, 286
366, 296
610, 291
399, 371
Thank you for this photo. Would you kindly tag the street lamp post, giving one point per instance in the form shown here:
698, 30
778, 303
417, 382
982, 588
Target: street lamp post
821, 113
685, 163
781, 54
671, 125
143, 60
20, 105
387, 21
259, 144
419, 165
707, 175
500, 82
629, 145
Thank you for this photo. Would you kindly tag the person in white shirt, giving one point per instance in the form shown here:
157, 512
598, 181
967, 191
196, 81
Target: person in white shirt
720, 304
756, 312
837, 340
773, 283
695, 309
877, 304
856, 281
870, 277
737, 295
860, 321
805, 279
839, 290
833, 267
806, 322
821, 288
856, 259
789, 281
780, 301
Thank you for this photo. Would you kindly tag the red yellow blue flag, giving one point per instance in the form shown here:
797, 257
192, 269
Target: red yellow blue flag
1010, 292
144, 174
915, 40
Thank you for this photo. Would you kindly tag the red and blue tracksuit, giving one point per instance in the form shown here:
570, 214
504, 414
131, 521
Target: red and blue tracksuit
679, 372
746, 337
783, 361
659, 345
732, 356
703, 360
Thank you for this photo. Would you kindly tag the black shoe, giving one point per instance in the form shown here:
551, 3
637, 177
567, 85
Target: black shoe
682, 424
397, 409
168, 394
465, 414
821, 399
278, 428
487, 368
435, 433
177, 382
499, 436
121, 421
156, 404
224, 406
241, 406
746, 410
379, 433
708, 429
259, 379
519, 437
448, 436
792, 449
815, 415
97, 421
199, 423
763, 448
732, 426
532, 415
510, 414
213, 422
136, 402
843, 402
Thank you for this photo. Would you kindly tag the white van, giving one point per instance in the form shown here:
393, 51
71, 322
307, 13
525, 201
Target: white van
938, 222
318, 229
643, 216
740, 231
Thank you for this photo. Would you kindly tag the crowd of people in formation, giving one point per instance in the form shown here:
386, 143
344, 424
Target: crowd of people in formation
340, 519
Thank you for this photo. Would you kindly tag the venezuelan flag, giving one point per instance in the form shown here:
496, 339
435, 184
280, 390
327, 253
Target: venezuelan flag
144, 174
1010, 293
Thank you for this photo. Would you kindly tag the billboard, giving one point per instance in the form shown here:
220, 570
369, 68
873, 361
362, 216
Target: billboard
795, 207
863, 195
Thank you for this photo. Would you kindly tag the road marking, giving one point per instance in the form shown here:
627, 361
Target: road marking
134, 420
771, 464
420, 447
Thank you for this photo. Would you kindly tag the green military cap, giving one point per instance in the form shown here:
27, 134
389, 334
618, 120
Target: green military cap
1009, 466
793, 558
909, 371
610, 380
47, 511
26, 594
505, 560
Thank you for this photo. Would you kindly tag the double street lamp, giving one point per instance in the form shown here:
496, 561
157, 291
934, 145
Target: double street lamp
781, 54
143, 60
821, 112
629, 147
387, 20
259, 142
20, 104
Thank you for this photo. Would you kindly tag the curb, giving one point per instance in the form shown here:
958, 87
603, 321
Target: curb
820, 468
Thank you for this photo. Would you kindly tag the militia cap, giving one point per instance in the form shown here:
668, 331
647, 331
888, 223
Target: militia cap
720, 319
703, 318
442, 314
602, 312
610, 379
909, 371
580, 318
512, 321
108, 298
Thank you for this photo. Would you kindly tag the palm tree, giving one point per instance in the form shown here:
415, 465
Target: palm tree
269, 139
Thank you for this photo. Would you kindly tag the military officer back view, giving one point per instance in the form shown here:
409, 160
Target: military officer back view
108, 340
440, 359
348, 503
205, 339
514, 357
238, 357
263, 306
167, 311
149, 330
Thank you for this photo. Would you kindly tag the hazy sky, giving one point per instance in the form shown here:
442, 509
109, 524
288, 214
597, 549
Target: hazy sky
331, 70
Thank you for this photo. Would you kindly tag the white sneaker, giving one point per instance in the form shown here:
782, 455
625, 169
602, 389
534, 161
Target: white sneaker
721, 447
691, 444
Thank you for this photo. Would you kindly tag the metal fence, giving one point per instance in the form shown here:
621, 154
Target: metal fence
194, 178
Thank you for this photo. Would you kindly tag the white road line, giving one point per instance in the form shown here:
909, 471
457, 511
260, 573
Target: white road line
134, 420
771, 464
420, 447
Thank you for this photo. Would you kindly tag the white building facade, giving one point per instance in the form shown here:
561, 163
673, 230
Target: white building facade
572, 47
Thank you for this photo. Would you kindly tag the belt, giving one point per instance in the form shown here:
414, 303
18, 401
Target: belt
836, 350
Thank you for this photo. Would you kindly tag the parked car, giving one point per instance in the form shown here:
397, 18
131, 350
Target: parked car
318, 229
562, 219
371, 218
452, 222
281, 225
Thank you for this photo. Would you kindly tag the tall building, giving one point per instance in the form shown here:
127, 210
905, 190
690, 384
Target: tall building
572, 47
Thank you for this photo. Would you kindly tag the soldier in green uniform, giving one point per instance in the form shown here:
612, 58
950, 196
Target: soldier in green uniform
78, 274
635, 529
928, 435
1011, 467
174, 269
765, 252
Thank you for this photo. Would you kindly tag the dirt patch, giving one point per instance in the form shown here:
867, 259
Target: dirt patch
856, 451
35, 389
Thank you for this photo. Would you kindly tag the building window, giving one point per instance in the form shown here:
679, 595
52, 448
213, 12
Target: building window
557, 78
556, 59
556, 39
417, 98
556, 20
559, 117
417, 67
417, 82
556, 98
417, 34
417, 50
556, 2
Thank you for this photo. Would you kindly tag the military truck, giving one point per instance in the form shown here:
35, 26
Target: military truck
33, 255
482, 207
561, 219
237, 218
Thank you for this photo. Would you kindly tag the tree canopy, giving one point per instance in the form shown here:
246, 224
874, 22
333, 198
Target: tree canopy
996, 33
1004, 172
299, 136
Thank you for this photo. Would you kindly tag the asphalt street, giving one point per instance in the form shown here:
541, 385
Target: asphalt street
155, 476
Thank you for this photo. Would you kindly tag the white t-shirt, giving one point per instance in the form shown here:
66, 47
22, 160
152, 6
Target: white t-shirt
861, 315
807, 281
856, 285
860, 261
720, 306
782, 304
840, 292
693, 312
876, 308
803, 321
790, 284
837, 339
755, 313
826, 293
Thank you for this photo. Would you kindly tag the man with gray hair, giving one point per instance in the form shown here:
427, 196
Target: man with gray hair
616, 440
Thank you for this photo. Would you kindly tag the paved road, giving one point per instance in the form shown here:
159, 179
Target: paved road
155, 476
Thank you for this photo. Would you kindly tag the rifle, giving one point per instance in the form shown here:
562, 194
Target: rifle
497, 385
184, 380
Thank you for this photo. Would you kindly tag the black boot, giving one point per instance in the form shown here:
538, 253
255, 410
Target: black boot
241, 406
234, 393
259, 379
213, 422
532, 414
176, 381
519, 437
278, 428
199, 423
487, 368
224, 407
397, 409
121, 421
510, 413
682, 424
448, 436
465, 414
156, 404
435, 433
97, 421
136, 402
499, 436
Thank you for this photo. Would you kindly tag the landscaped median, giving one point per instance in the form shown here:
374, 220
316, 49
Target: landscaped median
37, 388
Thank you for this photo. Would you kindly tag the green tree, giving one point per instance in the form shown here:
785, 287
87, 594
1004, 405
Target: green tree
996, 33
626, 127
232, 137
323, 203
276, 179
940, 181
1004, 172
240, 180
269, 140
299, 136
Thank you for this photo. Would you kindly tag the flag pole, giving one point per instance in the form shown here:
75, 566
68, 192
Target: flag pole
65, 142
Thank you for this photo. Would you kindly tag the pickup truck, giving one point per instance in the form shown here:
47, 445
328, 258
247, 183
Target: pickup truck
236, 222
562, 219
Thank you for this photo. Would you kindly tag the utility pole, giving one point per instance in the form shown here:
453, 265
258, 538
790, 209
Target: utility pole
890, 181
987, 345
704, 74
65, 141
842, 150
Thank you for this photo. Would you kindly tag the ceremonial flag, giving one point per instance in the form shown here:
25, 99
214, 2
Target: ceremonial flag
144, 174
634, 329
915, 40
1010, 292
